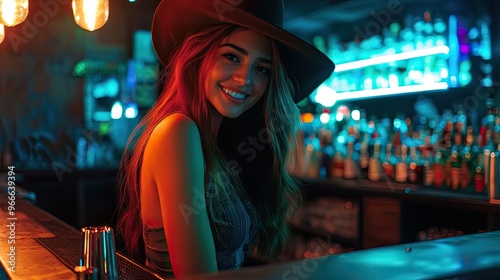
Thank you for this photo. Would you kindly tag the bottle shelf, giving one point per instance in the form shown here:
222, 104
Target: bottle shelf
407, 192
309, 230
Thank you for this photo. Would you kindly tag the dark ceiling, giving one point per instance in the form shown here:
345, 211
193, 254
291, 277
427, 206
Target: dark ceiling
307, 17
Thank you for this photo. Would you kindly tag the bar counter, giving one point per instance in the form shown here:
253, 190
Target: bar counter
36, 245
43, 244
475, 256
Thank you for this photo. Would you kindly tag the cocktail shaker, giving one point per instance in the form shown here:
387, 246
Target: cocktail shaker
99, 251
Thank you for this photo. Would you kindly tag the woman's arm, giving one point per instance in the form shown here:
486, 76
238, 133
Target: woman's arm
174, 157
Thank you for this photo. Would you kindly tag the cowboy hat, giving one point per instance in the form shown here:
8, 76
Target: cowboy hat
174, 20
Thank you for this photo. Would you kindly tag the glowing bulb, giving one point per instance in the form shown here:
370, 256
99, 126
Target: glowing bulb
13, 12
324, 118
90, 14
116, 110
131, 111
356, 115
339, 117
325, 96
2, 33
307, 117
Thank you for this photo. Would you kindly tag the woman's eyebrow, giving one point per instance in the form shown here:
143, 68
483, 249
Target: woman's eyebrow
244, 52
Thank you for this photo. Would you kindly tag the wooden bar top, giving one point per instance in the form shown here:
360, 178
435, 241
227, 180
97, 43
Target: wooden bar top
25, 227
21, 256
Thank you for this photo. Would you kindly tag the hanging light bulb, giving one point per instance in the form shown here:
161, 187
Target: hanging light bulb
13, 12
90, 14
2, 33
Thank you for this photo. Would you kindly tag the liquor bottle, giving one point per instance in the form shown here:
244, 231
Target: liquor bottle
350, 166
492, 189
456, 168
312, 160
469, 155
479, 180
337, 166
489, 118
402, 166
428, 179
456, 161
364, 160
447, 167
439, 166
428, 162
388, 163
486, 151
447, 134
375, 167
415, 168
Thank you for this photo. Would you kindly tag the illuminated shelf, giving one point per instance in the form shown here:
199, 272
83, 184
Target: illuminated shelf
328, 95
351, 95
387, 58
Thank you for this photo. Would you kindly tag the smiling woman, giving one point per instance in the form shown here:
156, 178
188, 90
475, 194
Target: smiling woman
198, 204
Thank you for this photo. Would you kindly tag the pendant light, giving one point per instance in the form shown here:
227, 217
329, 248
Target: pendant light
13, 12
2, 33
90, 14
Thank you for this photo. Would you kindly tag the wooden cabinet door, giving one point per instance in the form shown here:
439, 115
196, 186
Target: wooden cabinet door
381, 222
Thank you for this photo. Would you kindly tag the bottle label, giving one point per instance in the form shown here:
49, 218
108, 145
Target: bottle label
401, 172
388, 170
464, 176
429, 176
313, 164
349, 169
455, 177
338, 168
363, 161
412, 176
447, 173
438, 175
374, 170
479, 182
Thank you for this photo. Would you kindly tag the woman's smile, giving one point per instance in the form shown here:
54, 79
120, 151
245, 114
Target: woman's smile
234, 96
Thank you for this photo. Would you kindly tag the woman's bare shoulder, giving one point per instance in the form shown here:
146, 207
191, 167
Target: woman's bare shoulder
175, 126
174, 140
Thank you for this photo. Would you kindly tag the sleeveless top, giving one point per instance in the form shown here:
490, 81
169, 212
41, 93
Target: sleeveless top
230, 253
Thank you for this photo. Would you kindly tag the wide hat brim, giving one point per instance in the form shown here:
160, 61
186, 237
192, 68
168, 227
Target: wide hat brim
174, 20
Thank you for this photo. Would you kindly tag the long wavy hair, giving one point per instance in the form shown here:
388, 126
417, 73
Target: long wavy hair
184, 92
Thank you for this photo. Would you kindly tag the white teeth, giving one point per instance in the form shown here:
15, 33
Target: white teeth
234, 94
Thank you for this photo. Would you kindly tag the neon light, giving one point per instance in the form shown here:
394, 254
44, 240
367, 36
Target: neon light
339, 117
116, 110
350, 95
324, 118
356, 115
102, 116
131, 112
325, 96
453, 62
391, 58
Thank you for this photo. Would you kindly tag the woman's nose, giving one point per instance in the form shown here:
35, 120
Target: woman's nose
242, 75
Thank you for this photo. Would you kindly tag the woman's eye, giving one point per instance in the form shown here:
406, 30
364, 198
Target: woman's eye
264, 70
231, 57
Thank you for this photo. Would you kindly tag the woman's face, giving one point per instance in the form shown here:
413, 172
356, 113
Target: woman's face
240, 74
